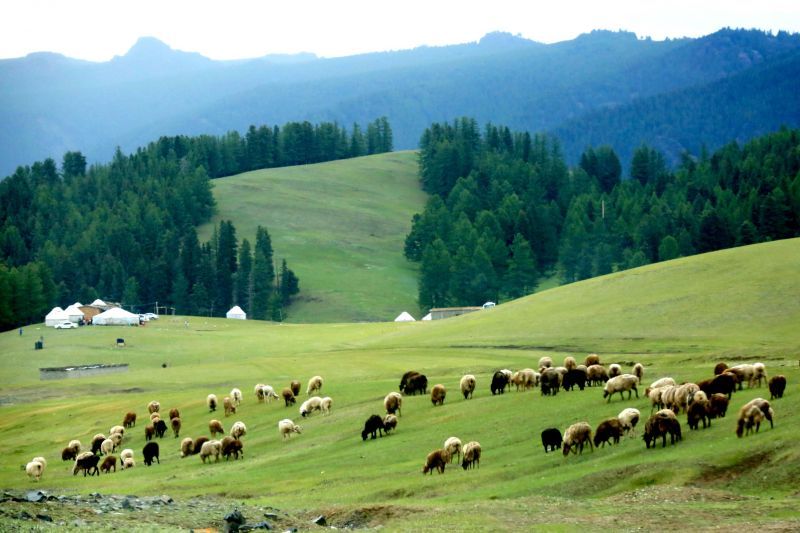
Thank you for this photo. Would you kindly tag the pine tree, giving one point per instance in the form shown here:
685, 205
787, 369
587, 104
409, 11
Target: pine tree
244, 276
434, 275
263, 275
521, 276
226, 252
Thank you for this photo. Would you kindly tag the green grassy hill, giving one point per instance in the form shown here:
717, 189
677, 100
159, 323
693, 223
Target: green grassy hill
340, 226
678, 318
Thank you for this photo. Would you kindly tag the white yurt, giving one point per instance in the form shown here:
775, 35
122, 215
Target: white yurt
404, 317
237, 313
75, 315
55, 316
116, 316
427, 317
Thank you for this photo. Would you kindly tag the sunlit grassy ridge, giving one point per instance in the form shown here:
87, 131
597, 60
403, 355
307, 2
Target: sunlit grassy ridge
340, 226
677, 318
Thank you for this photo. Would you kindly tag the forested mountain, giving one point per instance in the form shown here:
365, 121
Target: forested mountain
50, 104
505, 208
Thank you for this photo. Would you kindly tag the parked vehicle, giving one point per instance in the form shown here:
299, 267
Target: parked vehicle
66, 324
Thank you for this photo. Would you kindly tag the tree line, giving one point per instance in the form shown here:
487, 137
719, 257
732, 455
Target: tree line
505, 209
126, 231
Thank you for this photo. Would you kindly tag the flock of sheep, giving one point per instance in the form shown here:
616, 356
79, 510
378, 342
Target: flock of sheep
701, 402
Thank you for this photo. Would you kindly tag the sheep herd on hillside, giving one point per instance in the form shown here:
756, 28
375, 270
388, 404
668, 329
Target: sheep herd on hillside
701, 402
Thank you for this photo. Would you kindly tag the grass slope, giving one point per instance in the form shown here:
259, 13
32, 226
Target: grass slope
340, 226
678, 318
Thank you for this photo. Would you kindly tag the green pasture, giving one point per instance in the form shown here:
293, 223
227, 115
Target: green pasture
677, 318
340, 226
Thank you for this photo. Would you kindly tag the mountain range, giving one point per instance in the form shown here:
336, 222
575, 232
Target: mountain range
600, 88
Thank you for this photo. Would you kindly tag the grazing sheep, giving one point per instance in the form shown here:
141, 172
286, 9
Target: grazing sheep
508, 373
472, 455
576, 436
759, 373
71, 451
661, 424
314, 385
236, 396
227, 404
724, 383
545, 362
662, 382
149, 432
127, 452
117, 429
719, 368
745, 372
295, 386
153, 407
437, 459
389, 423
286, 427
628, 418
499, 382
596, 375
373, 426
187, 447
697, 411
198, 444
638, 371
518, 380
268, 393
35, 469
214, 427
211, 448
108, 463
97, 443
417, 383
211, 402
160, 428
682, 396
238, 430
575, 376
174, 413
393, 402
155, 416
438, 394
607, 430
551, 439
551, 381
620, 384
128, 462
570, 363
531, 377
107, 447
129, 420
259, 390
591, 359
453, 447
717, 405
405, 379
777, 384
325, 405
231, 446
752, 414
175, 424
288, 397
150, 452
614, 370
86, 461
309, 406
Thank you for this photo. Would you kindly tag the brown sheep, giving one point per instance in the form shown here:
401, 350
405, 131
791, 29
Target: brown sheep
175, 423
437, 459
129, 420
187, 447
389, 423
719, 368
231, 446
607, 430
109, 462
472, 455
752, 414
227, 403
153, 407
596, 375
198, 444
174, 413
69, 454
295, 386
777, 384
393, 402
438, 393
576, 436
215, 426
591, 359
288, 396
717, 406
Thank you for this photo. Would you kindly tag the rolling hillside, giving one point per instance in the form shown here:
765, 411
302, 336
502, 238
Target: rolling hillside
340, 226
677, 318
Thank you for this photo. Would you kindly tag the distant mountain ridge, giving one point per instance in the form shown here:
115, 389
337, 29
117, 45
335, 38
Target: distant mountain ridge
577, 89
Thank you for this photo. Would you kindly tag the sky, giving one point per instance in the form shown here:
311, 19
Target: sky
98, 30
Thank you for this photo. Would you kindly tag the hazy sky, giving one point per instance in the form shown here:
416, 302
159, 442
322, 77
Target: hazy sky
230, 29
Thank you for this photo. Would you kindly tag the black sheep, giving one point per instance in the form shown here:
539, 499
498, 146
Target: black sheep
499, 383
150, 452
549, 383
87, 463
373, 425
575, 376
777, 384
417, 383
697, 412
551, 439
405, 378
160, 427
661, 426
722, 384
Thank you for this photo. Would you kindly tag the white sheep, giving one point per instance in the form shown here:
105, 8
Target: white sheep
745, 372
472, 455
236, 396
259, 390
467, 385
268, 393
682, 396
128, 462
655, 396
662, 382
75, 444
325, 405
286, 427
570, 363
314, 385
116, 438
748, 417
309, 406
531, 377
212, 402
507, 373
759, 373
453, 447
628, 418
153, 407
187, 447
620, 384
127, 452
35, 468
545, 362
209, 448
238, 430
117, 429
393, 402
389, 423
107, 447
614, 370
638, 371
576, 436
